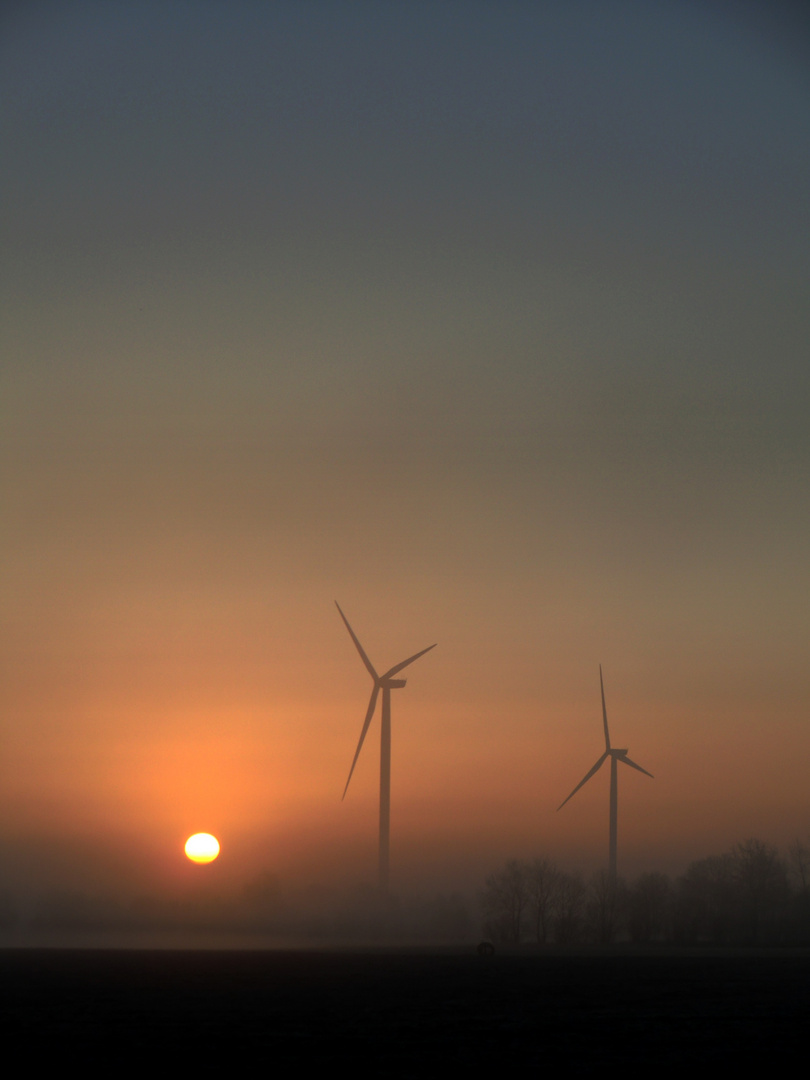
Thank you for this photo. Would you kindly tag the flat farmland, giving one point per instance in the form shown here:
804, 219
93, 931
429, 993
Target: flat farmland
405, 1013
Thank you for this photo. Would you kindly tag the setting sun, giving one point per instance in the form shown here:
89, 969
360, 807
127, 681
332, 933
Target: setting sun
202, 847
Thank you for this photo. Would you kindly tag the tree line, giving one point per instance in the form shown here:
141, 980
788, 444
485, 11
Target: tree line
749, 895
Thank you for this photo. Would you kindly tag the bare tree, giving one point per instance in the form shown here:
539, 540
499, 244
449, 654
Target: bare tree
604, 905
569, 908
761, 880
799, 865
543, 882
739, 896
649, 908
799, 857
504, 902
704, 904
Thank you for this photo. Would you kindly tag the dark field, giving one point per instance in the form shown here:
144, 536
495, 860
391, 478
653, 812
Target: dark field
404, 1013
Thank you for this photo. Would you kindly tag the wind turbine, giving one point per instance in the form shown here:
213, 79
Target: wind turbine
385, 683
615, 757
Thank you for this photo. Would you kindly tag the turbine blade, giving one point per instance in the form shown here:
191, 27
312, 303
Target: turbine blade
627, 761
604, 711
410, 660
369, 713
363, 656
585, 779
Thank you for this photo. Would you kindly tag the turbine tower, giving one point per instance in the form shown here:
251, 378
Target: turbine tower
615, 757
385, 683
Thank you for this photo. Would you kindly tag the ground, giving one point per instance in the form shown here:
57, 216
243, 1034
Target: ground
405, 1013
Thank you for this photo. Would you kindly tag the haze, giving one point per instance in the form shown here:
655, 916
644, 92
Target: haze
489, 322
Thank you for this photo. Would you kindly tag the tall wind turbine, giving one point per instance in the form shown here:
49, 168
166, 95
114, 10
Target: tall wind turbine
385, 683
615, 757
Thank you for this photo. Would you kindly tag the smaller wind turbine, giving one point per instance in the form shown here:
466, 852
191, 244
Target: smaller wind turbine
615, 757
386, 684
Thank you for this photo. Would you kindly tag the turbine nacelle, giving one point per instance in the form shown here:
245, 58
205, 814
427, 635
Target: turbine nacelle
381, 682
615, 756
621, 755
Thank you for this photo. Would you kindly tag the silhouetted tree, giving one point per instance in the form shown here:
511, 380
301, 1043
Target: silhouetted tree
799, 865
748, 895
604, 907
761, 888
649, 908
504, 902
705, 900
569, 908
799, 861
543, 884
740, 896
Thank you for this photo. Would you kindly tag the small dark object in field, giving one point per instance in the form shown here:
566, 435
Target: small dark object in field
486, 948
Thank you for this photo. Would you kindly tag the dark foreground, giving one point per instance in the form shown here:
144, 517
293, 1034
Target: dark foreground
404, 1013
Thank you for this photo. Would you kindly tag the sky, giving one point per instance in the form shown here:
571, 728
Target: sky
488, 321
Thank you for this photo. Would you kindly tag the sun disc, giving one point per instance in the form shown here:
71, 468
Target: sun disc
202, 847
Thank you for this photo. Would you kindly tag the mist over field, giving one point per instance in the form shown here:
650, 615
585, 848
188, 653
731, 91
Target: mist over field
488, 322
